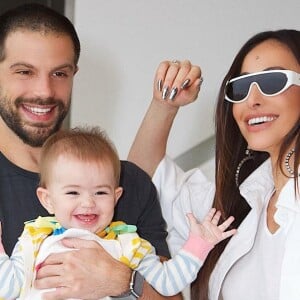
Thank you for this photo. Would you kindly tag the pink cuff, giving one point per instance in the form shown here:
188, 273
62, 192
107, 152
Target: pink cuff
197, 246
1, 248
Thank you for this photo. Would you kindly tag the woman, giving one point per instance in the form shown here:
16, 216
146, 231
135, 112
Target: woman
257, 170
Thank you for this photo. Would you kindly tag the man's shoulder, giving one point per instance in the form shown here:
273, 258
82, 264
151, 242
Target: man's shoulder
128, 166
5, 165
9, 170
136, 183
130, 171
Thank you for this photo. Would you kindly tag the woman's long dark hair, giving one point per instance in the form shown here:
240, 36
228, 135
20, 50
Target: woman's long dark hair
230, 149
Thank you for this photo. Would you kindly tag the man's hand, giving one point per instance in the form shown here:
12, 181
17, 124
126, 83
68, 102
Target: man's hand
87, 273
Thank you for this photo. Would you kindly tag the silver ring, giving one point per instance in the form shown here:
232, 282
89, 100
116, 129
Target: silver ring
200, 82
175, 61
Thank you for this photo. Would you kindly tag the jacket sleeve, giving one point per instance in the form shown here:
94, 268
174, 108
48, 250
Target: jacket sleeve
180, 193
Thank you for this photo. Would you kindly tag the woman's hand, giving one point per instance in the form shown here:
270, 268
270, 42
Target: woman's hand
177, 83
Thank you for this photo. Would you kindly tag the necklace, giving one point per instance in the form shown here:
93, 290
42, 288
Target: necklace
287, 162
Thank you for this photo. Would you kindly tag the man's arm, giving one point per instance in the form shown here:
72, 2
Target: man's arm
149, 293
149, 146
91, 272
87, 273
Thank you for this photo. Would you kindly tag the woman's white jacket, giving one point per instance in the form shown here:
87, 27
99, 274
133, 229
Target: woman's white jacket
182, 192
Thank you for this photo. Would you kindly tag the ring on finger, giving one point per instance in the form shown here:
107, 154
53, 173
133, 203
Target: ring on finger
200, 82
175, 61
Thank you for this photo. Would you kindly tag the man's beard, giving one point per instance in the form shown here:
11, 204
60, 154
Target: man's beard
32, 135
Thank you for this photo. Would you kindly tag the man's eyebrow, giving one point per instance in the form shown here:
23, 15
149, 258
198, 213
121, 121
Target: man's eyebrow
22, 64
64, 66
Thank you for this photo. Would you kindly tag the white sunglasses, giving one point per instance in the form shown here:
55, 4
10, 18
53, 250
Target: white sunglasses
269, 83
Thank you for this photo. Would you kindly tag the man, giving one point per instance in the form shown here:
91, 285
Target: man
39, 52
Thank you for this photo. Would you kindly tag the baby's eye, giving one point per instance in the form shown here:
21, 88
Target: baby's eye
72, 193
101, 193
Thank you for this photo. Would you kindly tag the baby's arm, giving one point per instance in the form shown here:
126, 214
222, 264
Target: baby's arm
204, 236
172, 276
11, 272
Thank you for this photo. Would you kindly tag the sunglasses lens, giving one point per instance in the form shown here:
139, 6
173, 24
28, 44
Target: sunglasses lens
269, 83
272, 83
238, 90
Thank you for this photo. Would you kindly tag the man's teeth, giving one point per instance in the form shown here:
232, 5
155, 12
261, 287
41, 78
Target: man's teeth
38, 110
260, 120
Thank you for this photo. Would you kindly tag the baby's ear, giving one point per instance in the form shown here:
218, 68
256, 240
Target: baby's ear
118, 193
45, 199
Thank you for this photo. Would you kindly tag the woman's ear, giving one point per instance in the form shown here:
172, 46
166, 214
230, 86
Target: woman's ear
118, 193
45, 199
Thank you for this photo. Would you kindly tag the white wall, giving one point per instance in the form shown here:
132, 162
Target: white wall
123, 42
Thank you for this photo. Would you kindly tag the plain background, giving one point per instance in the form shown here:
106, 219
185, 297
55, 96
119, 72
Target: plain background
124, 41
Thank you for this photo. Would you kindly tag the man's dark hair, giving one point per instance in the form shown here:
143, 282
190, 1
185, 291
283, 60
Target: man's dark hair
38, 18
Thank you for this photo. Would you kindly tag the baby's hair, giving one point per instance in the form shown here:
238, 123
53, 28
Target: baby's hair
88, 144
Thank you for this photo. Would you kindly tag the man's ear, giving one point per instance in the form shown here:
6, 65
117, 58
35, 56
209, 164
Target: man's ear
118, 193
45, 199
76, 70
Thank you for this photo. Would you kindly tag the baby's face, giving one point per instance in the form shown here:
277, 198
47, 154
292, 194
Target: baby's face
82, 194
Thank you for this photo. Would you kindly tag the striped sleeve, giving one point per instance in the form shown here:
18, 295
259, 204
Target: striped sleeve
172, 276
11, 274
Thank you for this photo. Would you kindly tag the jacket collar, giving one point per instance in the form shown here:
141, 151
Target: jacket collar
258, 184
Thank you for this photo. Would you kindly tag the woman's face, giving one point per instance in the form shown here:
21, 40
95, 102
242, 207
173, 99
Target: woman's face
265, 120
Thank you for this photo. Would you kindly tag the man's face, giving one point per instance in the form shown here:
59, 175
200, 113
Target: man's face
36, 79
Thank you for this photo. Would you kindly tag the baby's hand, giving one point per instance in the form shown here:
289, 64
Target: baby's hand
209, 230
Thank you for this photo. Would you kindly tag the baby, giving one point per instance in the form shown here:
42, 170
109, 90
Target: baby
79, 185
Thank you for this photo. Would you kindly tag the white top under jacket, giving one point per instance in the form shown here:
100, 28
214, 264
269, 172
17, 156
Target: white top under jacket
182, 192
